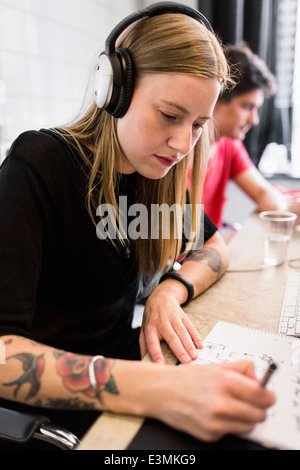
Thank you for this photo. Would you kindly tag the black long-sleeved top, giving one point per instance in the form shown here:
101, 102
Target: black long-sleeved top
59, 283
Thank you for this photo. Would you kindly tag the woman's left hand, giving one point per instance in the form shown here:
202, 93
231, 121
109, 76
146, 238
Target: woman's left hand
164, 319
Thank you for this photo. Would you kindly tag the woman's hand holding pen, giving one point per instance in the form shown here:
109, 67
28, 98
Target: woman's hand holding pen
216, 399
164, 320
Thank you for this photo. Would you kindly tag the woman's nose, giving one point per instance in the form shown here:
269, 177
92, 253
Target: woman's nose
181, 140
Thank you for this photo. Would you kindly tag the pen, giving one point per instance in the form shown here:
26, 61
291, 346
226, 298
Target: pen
272, 367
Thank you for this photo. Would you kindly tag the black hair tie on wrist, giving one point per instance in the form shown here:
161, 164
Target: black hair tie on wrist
183, 280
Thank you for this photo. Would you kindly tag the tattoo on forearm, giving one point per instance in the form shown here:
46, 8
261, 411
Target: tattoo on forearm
213, 257
74, 369
33, 367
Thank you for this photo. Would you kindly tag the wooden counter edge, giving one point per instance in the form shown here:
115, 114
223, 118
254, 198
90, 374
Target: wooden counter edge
111, 431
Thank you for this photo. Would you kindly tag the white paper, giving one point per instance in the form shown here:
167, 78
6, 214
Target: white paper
230, 342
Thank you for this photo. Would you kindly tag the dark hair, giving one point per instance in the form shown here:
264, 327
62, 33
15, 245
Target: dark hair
250, 73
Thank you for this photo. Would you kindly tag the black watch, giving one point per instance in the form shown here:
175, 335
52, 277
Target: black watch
183, 280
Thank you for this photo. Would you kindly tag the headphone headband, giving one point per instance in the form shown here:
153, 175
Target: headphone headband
156, 9
114, 74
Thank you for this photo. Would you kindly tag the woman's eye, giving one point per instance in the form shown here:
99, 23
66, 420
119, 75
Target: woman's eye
169, 117
198, 126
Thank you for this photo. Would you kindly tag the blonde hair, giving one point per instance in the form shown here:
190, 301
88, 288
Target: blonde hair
170, 43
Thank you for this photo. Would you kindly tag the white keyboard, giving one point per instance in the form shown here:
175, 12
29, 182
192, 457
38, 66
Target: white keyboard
289, 323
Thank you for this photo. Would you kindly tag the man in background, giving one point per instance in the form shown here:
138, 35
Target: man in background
236, 111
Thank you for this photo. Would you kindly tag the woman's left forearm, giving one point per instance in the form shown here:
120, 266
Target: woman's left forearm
205, 266
163, 317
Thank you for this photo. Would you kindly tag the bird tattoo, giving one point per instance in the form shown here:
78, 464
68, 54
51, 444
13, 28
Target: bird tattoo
33, 367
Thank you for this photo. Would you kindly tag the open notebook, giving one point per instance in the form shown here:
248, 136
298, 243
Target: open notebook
230, 342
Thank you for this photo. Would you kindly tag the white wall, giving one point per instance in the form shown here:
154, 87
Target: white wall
46, 49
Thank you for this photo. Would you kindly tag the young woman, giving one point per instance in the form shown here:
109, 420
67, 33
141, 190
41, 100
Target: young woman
70, 276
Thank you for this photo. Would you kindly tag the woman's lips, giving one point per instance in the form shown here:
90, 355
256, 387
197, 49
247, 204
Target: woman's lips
165, 161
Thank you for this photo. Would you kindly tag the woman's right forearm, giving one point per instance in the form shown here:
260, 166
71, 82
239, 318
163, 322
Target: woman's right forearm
205, 401
40, 375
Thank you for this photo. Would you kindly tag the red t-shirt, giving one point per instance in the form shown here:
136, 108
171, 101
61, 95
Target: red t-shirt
230, 158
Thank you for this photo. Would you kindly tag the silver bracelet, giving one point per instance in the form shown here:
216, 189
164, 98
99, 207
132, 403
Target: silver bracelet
92, 374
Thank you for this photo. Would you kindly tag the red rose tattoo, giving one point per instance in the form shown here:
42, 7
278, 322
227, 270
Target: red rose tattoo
74, 369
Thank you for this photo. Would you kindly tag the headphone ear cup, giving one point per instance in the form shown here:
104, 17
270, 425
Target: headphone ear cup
103, 81
121, 95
